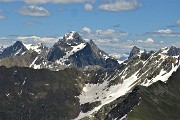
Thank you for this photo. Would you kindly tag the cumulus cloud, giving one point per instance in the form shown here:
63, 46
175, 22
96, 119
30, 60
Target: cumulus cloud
149, 40
86, 29
107, 35
105, 39
164, 33
88, 7
34, 11
111, 32
121, 5
112, 41
176, 24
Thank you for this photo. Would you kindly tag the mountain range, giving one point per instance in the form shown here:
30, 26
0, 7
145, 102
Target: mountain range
76, 80
70, 51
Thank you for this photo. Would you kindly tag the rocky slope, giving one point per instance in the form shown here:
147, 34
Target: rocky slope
28, 94
143, 68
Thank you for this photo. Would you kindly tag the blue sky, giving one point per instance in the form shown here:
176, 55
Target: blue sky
115, 25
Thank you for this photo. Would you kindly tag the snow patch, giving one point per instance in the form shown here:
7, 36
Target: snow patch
69, 53
103, 93
35, 48
163, 76
69, 36
124, 117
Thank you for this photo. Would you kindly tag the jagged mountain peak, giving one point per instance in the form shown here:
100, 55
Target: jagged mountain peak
70, 39
173, 51
71, 36
16, 49
134, 51
18, 45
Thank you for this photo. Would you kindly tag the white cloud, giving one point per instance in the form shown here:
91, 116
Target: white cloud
86, 29
88, 7
149, 40
9, 40
105, 39
6, 41
102, 35
34, 11
53, 1
176, 24
2, 17
121, 5
140, 41
111, 32
164, 33
37, 39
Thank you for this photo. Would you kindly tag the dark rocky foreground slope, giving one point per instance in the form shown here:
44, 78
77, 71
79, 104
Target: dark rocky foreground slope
160, 101
28, 94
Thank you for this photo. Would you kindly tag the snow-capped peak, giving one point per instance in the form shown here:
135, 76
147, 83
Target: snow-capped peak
73, 35
70, 35
37, 47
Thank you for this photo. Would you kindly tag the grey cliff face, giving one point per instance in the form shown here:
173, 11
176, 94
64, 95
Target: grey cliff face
173, 51
88, 56
134, 51
14, 50
63, 45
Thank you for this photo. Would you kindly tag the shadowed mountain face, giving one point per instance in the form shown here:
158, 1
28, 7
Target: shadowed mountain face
160, 101
28, 94
74, 51
173, 51
16, 49
134, 51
